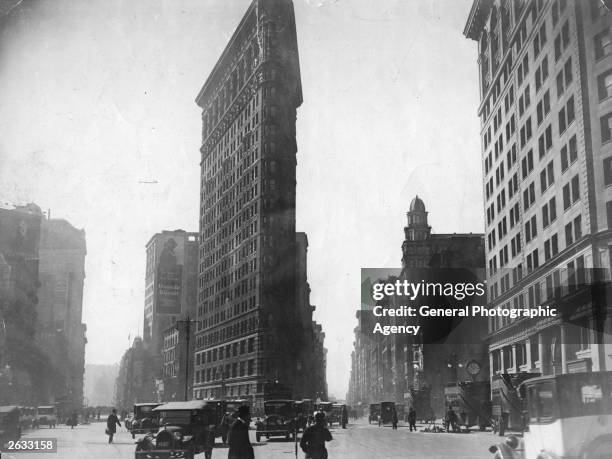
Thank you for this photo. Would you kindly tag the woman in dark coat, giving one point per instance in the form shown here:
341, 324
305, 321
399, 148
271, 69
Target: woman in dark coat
238, 437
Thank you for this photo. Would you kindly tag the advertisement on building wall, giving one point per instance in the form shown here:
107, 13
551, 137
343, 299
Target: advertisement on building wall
169, 276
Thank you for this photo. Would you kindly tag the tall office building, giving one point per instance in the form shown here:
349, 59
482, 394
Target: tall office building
545, 72
60, 330
170, 284
247, 309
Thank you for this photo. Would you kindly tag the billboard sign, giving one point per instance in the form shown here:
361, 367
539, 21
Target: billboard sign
170, 275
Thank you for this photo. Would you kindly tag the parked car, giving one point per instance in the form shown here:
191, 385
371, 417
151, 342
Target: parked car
185, 429
280, 420
46, 415
144, 419
568, 415
10, 428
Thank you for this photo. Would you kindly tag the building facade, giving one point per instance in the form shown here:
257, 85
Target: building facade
22, 364
248, 310
177, 361
392, 367
170, 284
60, 331
545, 71
137, 377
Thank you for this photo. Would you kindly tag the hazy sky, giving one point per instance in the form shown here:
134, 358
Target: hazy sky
98, 96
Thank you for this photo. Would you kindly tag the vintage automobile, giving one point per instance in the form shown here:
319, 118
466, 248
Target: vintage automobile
144, 419
280, 420
27, 416
470, 400
327, 408
374, 413
46, 415
185, 429
9, 424
386, 413
568, 415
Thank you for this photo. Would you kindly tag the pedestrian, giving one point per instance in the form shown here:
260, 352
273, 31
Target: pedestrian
226, 423
344, 417
238, 437
209, 440
73, 419
111, 422
394, 420
451, 420
314, 438
98, 415
412, 419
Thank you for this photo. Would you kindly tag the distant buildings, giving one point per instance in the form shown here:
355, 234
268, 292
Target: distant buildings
154, 368
137, 378
252, 330
391, 367
545, 73
177, 361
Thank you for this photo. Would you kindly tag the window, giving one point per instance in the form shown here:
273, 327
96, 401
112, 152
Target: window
551, 247
545, 142
526, 132
609, 213
607, 170
514, 214
527, 164
531, 229
541, 73
571, 192
569, 153
604, 85
515, 245
529, 196
549, 212
564, 77
606, 127
547, 176
578, 227
569, 235
543, 107
567, 115
603, 44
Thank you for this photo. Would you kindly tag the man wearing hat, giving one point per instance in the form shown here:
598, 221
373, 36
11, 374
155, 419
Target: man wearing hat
238, 438
314, 438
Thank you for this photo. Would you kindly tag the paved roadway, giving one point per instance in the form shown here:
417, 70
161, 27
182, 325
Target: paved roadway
358, 441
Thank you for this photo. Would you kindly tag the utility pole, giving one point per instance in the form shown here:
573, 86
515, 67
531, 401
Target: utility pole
187, 323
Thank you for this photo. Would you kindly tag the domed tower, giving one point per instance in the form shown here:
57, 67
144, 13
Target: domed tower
417, 229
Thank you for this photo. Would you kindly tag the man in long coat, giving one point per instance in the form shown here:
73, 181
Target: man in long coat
238, 437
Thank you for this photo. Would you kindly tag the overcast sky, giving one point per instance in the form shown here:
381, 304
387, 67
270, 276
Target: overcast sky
97, 97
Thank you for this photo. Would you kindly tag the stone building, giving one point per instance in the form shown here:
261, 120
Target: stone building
170, 283
22, 365
249, 331
60, 331
391, 367
136, 381
545, 111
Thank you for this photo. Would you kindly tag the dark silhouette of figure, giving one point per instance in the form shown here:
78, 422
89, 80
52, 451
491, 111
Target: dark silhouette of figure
314, 438
111, 425
412, 419
238, 437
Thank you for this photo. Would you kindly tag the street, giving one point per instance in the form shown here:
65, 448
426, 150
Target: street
358, 441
